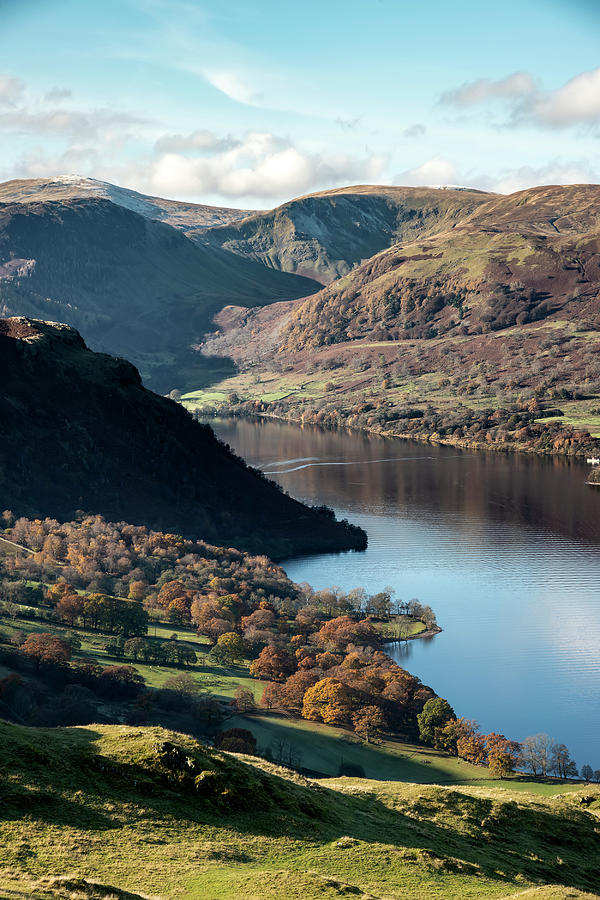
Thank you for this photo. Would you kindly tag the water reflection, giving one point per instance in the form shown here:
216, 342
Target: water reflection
505, 548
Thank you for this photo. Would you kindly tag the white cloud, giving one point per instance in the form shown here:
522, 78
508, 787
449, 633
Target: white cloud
517, 85
260, 165
436, 170
555, 172
197, 141
577, 102
11, 90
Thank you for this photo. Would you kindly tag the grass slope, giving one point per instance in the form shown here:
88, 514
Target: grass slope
152, 813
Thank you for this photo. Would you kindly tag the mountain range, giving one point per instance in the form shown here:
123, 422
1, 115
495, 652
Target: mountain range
495, 294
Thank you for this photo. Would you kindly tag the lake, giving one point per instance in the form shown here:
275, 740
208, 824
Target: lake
505, 548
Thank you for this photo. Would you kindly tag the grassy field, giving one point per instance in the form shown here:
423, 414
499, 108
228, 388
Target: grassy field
217, 680
147, 813
323, 749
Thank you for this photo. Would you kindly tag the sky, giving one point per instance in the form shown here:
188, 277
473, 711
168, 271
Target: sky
248, 103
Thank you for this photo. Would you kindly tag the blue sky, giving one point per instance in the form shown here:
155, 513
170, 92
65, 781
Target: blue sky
251, 103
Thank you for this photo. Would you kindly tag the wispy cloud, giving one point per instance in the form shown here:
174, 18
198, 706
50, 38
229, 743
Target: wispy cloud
11, 90
234, 86
515, 86
414, 131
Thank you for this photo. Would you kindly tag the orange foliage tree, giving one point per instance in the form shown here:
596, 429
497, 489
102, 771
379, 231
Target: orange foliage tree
327, 701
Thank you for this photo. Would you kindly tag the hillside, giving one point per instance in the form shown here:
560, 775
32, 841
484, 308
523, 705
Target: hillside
482, 334
131, 812
514, 260
324, 235
113, 265
79, 432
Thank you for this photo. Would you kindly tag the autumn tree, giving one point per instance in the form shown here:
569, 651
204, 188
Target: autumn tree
341, 631
502, 754
47, 648
271, 696
369, 722
471, 745
228, 650
57, 591
327, 701
69, 608
272, 664
295, 687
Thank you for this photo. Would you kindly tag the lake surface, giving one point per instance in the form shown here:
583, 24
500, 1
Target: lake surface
505, 548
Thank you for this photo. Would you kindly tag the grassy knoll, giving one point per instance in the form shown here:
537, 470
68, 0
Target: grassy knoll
152, 813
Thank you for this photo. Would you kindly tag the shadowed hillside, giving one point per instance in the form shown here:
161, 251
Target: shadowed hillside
79, 432
132, 285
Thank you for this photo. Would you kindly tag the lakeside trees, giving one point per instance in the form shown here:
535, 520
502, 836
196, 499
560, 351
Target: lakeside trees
320, 652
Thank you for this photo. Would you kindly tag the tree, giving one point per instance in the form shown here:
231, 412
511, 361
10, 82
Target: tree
183, 684
69, 608
47, 648
587, 773
471, 746
121, 681
369, 722
435, 714
272, 664
57, 591
502, 754
229, 647
341, 631
536, 753
135, 647
327, 701
271, 695
561, 763
243, 700
236, 740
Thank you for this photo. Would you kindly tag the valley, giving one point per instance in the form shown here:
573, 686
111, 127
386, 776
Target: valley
135, 593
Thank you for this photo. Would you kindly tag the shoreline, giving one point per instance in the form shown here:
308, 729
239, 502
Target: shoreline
407, 436
428, 633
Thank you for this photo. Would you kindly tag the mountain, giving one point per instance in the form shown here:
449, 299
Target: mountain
513, 260
324, 235
80, 432
99, 259
73, 187
126, 812
485, 332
